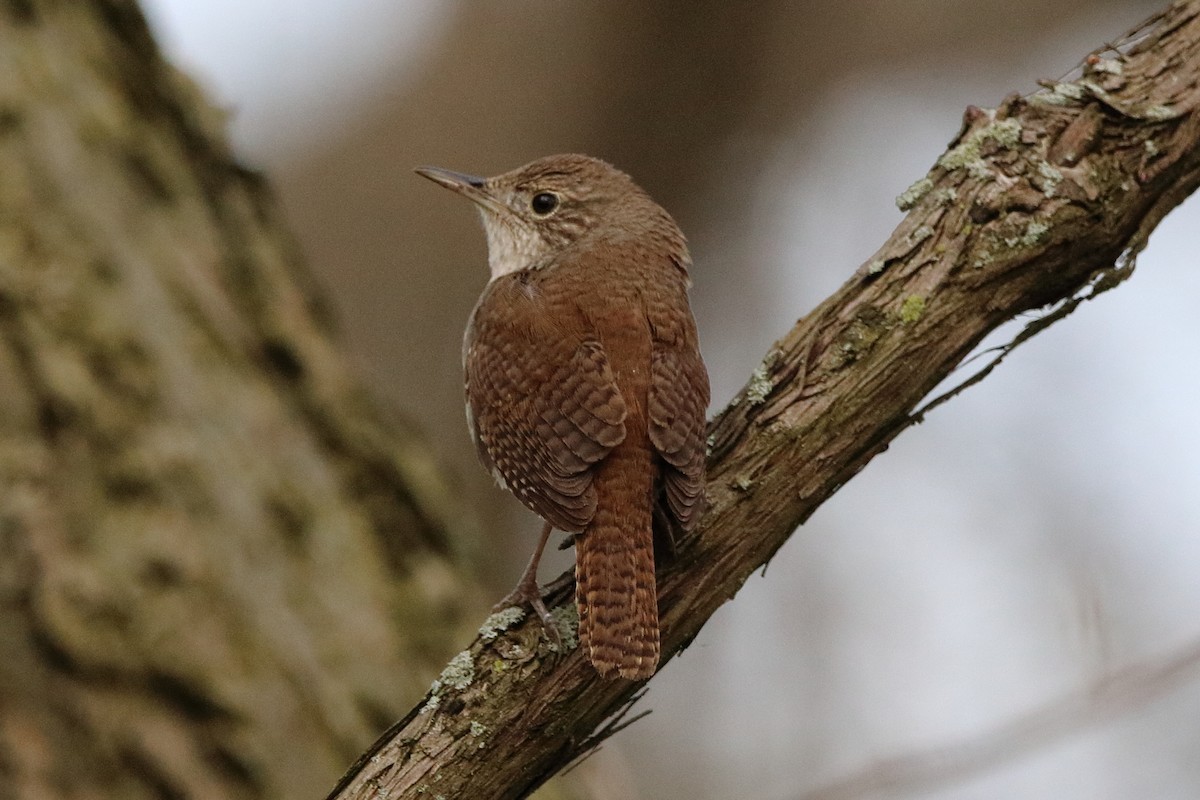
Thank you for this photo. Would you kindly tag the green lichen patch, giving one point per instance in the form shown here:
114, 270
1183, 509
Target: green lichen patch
566, 619
459, 673
1050, 176
500, 621
920, 234
1060, 94
913, 194
760, 386
912, 309
435, 698
968, 154
944, 197
479, 731
1033, 233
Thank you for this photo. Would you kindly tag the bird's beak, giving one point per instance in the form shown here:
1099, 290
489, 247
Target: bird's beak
469, 186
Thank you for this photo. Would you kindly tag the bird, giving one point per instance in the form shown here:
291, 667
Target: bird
586, 392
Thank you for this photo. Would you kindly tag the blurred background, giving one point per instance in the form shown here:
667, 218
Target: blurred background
1031, 538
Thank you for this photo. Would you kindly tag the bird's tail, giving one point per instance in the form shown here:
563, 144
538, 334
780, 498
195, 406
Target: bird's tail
614, 568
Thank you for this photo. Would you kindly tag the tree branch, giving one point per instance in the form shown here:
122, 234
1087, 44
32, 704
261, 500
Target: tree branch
1100, 701
1041, 203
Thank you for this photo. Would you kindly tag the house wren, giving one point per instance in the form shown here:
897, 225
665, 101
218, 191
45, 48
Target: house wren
586, 393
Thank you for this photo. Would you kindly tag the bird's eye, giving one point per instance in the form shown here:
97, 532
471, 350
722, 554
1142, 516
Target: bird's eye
543, 203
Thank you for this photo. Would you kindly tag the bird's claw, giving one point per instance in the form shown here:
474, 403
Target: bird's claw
531, 595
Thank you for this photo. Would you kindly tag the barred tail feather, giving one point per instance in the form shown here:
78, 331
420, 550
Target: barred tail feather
614, 568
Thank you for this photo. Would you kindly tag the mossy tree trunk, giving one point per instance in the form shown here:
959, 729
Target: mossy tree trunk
221, 572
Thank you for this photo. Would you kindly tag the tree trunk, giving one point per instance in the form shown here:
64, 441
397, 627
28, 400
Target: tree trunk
221, 572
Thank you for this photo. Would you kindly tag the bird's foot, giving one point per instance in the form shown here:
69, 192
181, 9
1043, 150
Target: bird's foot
528, 593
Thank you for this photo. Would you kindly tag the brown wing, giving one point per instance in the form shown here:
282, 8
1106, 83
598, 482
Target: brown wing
678, 401
545, 408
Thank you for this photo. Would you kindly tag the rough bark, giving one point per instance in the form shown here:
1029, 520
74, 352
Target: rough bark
204, 522
1039, 204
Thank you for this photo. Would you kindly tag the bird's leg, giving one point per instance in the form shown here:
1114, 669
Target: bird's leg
527, 591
